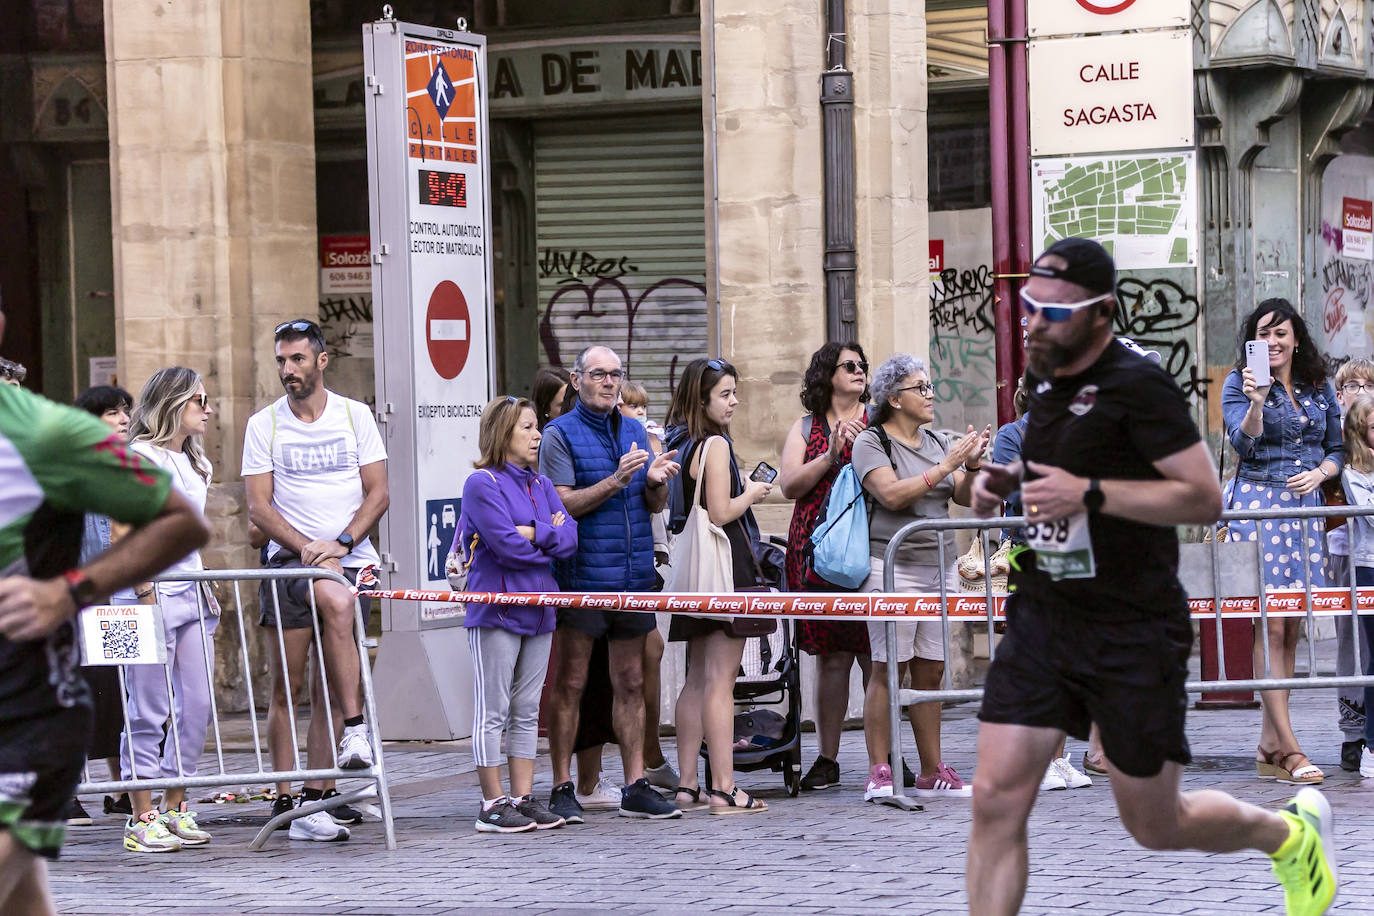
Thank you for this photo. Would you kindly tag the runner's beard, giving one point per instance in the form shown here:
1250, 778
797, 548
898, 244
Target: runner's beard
1052, 355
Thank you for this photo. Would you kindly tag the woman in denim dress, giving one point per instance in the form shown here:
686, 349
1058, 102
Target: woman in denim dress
1287, 436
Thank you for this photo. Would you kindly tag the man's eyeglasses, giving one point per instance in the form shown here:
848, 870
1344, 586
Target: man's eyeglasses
852, 367
300, 327
924, 389
202, 399
1058, 311
1357, 387
600, 375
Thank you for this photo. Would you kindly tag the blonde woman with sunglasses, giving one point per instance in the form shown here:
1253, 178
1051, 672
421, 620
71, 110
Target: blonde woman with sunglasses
167, 429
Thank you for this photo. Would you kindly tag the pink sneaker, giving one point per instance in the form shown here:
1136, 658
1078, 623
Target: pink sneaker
944, 783
879, 782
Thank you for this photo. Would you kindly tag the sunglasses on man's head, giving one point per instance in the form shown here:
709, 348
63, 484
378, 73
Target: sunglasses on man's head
300, 327
852, 367
1058, 311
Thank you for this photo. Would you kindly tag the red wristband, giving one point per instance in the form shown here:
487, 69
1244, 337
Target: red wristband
925, 475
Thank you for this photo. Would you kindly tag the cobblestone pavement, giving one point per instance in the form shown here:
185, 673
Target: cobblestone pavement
822, 852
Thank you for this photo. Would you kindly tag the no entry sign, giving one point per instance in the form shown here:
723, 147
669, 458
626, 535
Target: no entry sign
447, 323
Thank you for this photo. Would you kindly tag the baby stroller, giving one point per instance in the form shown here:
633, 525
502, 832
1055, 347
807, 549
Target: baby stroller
769, 673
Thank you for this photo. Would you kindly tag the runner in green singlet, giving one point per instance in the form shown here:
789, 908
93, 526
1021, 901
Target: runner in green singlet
56, 463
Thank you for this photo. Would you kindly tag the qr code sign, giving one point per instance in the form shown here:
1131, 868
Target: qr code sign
119, 639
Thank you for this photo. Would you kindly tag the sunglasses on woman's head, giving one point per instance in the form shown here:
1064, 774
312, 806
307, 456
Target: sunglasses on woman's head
852, 367
1058, 311
718, 365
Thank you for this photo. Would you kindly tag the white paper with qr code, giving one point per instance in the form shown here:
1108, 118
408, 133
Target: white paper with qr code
122, 634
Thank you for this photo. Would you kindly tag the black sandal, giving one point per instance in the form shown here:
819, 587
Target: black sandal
732, 803
694, 794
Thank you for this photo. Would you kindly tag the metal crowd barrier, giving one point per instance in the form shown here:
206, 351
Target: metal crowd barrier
375, 777
1223, 602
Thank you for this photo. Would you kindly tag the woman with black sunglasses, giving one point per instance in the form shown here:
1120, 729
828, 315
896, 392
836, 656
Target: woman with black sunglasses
834, 394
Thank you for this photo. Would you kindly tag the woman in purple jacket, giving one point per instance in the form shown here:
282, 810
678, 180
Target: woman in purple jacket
513, 527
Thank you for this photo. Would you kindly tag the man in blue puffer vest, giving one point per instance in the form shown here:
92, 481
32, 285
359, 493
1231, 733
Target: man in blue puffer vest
602, 469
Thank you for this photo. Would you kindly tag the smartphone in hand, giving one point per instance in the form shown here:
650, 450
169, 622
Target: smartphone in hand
1257, 361
764, 473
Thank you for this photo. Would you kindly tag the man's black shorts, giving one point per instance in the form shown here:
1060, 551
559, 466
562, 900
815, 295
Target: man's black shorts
293, 594
41, 759
611, 624
1063, 669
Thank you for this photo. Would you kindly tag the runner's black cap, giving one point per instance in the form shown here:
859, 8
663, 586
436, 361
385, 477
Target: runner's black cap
1089, 265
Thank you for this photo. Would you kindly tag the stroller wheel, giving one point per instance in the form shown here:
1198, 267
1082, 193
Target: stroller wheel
792, 775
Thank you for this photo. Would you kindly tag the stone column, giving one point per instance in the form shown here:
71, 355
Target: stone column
212, 162
761, 108
887, 52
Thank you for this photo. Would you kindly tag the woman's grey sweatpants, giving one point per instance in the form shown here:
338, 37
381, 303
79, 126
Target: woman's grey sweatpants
508, 670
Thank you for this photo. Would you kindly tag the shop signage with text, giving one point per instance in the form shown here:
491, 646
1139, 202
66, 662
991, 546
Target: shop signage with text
1357, 229
1111, 93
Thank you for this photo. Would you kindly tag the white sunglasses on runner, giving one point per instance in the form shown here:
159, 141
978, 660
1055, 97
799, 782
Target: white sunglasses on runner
1058, 311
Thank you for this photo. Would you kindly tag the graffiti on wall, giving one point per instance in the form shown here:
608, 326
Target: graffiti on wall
1161, 315
963, 362
599, 299
347, 324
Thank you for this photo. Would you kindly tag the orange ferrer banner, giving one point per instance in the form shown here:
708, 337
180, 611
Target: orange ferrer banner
441, 102
1326, 602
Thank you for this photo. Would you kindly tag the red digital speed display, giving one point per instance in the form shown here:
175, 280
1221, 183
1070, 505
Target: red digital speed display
443, 189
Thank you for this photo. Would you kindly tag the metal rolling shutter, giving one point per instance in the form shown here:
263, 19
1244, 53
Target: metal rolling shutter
621, 257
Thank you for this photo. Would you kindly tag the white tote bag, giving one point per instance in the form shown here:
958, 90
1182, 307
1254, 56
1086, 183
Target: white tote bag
701, 557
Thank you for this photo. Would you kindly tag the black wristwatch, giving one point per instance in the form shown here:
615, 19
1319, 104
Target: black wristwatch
1092, 497
345, 539
80, 588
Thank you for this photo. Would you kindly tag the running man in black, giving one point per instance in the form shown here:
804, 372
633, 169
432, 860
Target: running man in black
57, 463
1098, 627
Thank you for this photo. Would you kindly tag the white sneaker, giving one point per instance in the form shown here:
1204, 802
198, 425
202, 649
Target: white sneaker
601, 798
355, 748
1367, 763
1072, 778
319, 827
1052, 780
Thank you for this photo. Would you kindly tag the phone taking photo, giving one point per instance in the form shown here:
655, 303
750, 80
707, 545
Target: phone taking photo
1257, 361
764, 473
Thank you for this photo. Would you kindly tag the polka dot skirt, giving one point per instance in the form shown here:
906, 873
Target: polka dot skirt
1283, 543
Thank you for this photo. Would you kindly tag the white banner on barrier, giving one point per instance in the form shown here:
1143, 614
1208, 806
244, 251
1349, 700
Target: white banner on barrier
121, 634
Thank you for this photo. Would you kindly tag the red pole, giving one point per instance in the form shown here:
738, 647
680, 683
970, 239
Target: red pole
1006, 327
1023, 249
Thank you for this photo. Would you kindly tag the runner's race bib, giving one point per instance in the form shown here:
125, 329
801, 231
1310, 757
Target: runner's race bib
1064, 548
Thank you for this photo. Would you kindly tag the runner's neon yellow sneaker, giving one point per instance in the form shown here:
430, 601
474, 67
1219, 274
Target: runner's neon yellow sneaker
1306, 863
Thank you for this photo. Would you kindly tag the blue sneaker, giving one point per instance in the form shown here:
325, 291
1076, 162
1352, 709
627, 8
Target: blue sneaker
563, 802
638, 799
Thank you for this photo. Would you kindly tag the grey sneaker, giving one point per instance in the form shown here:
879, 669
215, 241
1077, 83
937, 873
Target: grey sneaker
534, 809
503, 817
663, 777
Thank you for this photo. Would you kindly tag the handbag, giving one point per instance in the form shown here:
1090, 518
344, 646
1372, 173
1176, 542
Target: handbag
702, 561
458, 563
701, 553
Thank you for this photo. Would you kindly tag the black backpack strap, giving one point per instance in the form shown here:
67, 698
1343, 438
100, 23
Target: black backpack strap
887, 446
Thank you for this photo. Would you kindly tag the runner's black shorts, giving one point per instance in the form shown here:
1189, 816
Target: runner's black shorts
41, 759
1065, 669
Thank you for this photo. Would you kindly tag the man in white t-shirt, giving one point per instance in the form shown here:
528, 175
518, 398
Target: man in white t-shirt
315, 469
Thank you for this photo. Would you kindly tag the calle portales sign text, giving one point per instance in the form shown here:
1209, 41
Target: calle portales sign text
1111, 93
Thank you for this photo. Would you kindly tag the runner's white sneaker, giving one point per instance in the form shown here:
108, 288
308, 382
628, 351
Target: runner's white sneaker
355, 748
1072, 778
601, 798
319, 827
